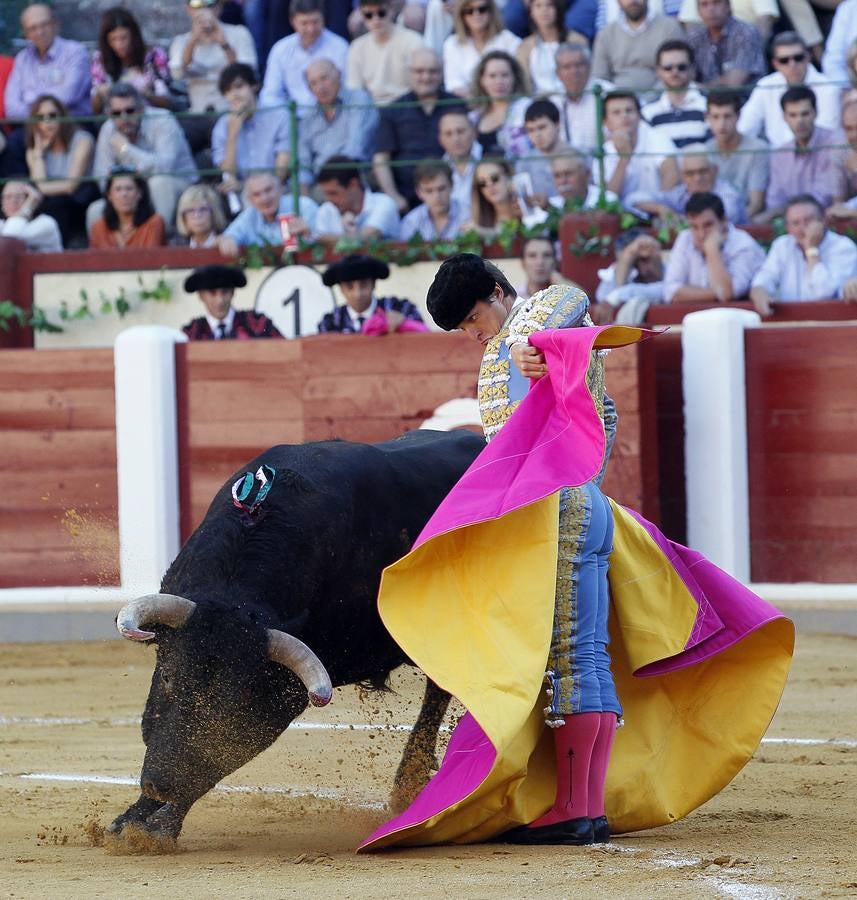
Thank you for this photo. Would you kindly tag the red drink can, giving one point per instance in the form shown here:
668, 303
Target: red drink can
290, 240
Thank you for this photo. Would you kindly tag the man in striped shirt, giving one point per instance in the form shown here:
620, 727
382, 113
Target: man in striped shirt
679, 113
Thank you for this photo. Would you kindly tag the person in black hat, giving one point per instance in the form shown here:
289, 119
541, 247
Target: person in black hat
215, 285
472, 295
363, 312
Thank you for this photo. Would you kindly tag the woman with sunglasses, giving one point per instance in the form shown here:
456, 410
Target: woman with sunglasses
478, 29
494, 199
122, 56
129, 219
537, 53
499, 90
200, 219
59, 158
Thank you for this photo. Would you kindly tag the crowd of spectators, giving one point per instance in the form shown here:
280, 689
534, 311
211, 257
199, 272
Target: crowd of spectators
432, 118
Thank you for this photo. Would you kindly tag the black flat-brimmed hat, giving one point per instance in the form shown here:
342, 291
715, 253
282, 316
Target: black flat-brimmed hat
209, 278
354, 268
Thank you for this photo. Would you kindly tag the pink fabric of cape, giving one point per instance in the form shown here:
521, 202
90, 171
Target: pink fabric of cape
555, 439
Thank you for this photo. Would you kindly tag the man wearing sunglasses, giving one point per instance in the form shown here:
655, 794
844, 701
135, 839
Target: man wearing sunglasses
378, 61
762, 116
679, 113
146, 140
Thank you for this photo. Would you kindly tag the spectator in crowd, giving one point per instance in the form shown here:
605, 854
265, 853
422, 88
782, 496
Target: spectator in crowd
571, 177
679, 113
539, 262
128, 217
249, 137
633, 282
199, 56
260, 223
848, 210
199, 217
807, 263
498, 116
741, 160
576, 102
363, 311
698, 176
537, 52
349, 208
636, 157
381, 61
838, 63
624, 51
343, 123
59, 157
494, 199
811, 162
440, 216
49, 64
216, 285
408, 129
147, 140
712, 261
541, 121
461, 151
762, 114
285, 75
478, 29
122, 56
19, 203
728, 52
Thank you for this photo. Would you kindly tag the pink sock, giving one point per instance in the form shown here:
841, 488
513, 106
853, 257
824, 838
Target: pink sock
598, 766
573, 746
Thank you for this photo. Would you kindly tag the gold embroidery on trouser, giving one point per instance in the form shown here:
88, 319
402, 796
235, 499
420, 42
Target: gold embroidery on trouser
574, 518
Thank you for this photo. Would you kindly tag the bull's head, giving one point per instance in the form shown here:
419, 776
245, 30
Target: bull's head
222, 691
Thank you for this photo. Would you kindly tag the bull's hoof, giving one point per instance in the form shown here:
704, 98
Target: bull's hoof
136, 840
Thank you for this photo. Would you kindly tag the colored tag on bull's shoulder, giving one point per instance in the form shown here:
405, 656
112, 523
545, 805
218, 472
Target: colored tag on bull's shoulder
242, 488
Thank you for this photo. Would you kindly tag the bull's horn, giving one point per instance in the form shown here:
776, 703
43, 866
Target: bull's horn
153, 609
294, 654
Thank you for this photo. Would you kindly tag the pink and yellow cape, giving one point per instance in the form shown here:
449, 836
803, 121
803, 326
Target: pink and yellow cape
700, 662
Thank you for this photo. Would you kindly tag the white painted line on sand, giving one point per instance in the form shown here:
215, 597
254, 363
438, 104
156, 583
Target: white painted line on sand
352, 798
122, 721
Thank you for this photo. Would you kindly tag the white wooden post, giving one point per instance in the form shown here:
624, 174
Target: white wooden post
715, 447
146, 454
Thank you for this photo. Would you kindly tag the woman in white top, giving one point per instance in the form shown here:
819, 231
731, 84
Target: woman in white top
494, 200
59, 157
19, 203
500, 94
538, 51
199, 217
478, 30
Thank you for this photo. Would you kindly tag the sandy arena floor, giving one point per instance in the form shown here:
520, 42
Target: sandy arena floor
786, 827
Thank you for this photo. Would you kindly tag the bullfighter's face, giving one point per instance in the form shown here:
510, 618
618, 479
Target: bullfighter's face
486, 318
217, 301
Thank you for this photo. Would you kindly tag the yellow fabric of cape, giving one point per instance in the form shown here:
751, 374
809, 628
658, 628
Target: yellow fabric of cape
474, 609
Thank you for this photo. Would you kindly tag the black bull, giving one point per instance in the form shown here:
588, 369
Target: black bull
304, 564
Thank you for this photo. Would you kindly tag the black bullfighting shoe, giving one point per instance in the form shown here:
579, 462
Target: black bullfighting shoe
572, 832
601, 830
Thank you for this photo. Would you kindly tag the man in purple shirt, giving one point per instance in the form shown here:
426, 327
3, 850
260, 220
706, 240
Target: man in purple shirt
812, 162
712, 261
48, 64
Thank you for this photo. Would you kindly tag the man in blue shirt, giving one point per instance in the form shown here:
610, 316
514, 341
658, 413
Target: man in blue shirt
260, 222
287, 62
248, 137
351, 210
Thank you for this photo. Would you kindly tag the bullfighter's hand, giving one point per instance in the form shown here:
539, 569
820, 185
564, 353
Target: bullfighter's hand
530, 360
394, 319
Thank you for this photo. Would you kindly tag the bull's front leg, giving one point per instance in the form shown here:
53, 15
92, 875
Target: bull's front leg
418, 759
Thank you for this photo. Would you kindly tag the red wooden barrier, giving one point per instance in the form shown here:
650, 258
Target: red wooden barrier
58, 505
802, 430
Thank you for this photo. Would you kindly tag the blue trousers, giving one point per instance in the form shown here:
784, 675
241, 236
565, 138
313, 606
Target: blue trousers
579, 657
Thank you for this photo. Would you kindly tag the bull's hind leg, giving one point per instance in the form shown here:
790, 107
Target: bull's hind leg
419, 760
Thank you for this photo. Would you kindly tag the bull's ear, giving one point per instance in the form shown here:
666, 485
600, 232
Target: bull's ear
298, 481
